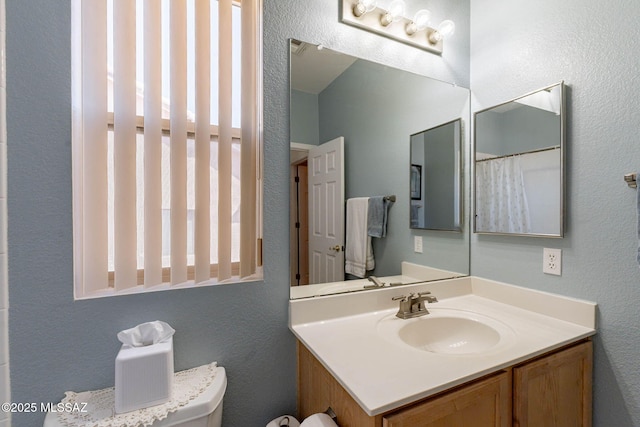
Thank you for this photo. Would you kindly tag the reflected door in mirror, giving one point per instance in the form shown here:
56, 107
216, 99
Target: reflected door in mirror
326, 212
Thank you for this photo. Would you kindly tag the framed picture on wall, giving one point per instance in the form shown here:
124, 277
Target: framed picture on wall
416, 180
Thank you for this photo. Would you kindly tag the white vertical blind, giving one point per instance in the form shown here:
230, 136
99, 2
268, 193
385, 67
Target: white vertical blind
152, 143
93, 218
124, 136
178, 52
249, 147
224, 139
153, 200
202, 234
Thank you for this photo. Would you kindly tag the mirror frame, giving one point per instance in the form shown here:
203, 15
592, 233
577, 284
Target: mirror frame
459, 218
562, 164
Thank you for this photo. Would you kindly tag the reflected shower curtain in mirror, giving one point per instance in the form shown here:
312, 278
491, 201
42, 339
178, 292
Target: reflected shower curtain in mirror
500, 196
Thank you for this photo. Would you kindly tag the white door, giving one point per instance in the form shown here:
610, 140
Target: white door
326, 212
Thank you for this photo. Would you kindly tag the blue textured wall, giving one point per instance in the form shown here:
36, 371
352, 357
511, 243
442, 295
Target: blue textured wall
519, 46
57, 344
304, 118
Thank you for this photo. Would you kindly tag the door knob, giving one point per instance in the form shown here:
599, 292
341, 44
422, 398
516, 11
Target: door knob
337, 248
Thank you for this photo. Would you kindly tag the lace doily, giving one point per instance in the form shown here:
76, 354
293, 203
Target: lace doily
100, 404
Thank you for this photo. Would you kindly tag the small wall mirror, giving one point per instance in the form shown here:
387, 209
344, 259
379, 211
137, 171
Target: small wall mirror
519, 165
436, 178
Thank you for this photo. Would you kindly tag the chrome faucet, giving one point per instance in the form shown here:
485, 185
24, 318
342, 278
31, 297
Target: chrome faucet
376, 283
414, 304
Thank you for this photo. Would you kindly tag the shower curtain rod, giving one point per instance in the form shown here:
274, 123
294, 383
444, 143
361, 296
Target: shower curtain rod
555, 147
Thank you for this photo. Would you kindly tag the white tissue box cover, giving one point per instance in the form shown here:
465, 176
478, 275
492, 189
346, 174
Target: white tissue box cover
144, 376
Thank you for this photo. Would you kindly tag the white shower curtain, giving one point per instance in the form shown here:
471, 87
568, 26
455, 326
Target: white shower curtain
501, 202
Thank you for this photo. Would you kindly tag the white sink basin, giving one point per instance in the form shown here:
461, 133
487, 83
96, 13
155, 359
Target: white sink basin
448, 331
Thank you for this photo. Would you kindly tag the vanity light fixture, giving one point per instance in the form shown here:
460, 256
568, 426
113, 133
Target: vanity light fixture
390, 21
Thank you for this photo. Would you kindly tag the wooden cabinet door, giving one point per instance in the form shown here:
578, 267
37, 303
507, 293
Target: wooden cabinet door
554, 391
318, 390
485, 403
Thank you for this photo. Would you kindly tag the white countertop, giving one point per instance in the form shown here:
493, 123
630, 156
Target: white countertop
381, 375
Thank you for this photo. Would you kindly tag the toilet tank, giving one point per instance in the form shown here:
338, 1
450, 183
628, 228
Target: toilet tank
203, 411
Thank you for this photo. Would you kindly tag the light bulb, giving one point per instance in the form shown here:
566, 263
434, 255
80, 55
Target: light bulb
363, 6
394, 12
445, 29
369, 4
420, 21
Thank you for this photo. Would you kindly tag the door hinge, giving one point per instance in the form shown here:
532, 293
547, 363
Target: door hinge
298, 277
297, 179
259, 250
297, 225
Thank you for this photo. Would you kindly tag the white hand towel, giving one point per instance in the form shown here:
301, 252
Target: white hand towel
358, 250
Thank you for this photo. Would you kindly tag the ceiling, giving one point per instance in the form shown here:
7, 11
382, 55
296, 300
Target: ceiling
319, 68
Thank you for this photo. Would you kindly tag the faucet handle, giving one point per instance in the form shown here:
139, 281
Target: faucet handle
416, 295
403, 298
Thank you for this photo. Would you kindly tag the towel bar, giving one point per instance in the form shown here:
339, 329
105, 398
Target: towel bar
630, 178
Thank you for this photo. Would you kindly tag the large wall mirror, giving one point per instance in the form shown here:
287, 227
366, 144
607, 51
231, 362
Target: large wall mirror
519, 165
354, 118
435, 178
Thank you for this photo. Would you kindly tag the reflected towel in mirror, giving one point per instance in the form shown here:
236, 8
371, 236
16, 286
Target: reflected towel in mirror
358, 250
377, 216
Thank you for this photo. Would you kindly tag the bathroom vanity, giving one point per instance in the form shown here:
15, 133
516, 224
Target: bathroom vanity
488, 354
556, 385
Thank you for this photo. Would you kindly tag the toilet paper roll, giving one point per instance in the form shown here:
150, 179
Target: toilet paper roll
284, 421
318, 420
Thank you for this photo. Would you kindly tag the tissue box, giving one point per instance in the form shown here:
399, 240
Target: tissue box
144, 376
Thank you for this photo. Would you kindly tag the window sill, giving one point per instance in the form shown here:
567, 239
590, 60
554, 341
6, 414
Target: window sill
140, 289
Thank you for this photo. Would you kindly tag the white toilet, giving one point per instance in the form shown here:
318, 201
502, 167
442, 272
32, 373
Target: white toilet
203, 411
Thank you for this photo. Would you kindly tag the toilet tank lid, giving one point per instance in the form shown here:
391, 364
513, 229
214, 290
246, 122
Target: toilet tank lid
203, 405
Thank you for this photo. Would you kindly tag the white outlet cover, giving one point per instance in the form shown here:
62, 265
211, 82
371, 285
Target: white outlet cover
552, 261
417, 244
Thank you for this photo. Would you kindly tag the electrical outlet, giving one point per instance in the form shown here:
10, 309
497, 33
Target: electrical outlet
552, 261
417, 244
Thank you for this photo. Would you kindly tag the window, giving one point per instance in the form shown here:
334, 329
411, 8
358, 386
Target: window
166, 144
